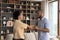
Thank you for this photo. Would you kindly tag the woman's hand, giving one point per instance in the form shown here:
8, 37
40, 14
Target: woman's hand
31, 27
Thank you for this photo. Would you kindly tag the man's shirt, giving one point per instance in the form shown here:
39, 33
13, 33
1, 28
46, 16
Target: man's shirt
43, 23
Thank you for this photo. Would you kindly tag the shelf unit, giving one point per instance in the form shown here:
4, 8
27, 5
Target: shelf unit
7, 7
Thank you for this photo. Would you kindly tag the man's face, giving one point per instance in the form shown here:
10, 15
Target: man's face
39, 14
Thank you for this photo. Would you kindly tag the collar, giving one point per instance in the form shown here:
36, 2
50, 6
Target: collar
42, 18
18, 20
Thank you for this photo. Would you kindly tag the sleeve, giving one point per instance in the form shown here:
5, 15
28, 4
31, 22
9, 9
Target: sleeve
46, 24
21, 25
24, 25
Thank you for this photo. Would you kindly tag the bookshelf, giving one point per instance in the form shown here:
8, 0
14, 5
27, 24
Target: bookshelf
7, 7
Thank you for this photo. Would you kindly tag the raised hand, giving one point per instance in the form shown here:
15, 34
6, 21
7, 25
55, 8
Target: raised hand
31, 27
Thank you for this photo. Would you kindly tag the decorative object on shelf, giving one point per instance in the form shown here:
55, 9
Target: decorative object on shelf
27, 18
2, 11
7, 31
22, 3
37, 4
32, 4
8, 7
1, 32
32, 8
20, 7
4, 18
11, 18
4, 23
10, 11
10, 22
2, 37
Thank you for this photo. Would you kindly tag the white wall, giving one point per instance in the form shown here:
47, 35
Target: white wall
44, 7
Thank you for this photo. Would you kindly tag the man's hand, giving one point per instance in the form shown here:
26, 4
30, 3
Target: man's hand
42, 29
36, 28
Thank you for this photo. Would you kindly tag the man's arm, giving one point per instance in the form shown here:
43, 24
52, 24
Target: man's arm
42, 29
46, 26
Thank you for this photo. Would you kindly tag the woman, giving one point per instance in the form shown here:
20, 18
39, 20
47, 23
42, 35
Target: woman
19, 26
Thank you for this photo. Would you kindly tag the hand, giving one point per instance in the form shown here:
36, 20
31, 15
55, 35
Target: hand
31, 26
36, 28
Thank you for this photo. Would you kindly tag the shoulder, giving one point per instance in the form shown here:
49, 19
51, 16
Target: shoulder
17, 23
45, 19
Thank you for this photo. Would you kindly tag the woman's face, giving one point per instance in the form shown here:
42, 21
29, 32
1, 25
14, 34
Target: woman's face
21, 16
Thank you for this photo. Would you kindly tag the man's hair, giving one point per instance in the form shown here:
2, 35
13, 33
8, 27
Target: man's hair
38, 11
16, 14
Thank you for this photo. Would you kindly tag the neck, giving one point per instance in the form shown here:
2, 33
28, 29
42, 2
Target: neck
40, 17
19, 19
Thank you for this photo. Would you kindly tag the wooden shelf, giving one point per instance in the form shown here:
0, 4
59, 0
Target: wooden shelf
34, 6
27, 11
6, 12
24, 5
6, 8
8, 3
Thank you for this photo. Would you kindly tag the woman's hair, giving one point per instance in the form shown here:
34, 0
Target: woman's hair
16, 14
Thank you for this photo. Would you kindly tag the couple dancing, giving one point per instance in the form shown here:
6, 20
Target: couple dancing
18, 30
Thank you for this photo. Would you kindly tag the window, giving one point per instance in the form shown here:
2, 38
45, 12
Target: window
53, 19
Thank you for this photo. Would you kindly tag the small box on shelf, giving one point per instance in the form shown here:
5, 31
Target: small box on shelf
0, 1
17, 1
4, 1
10, 1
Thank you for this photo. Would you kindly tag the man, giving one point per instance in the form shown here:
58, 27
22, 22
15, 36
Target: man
43, 26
